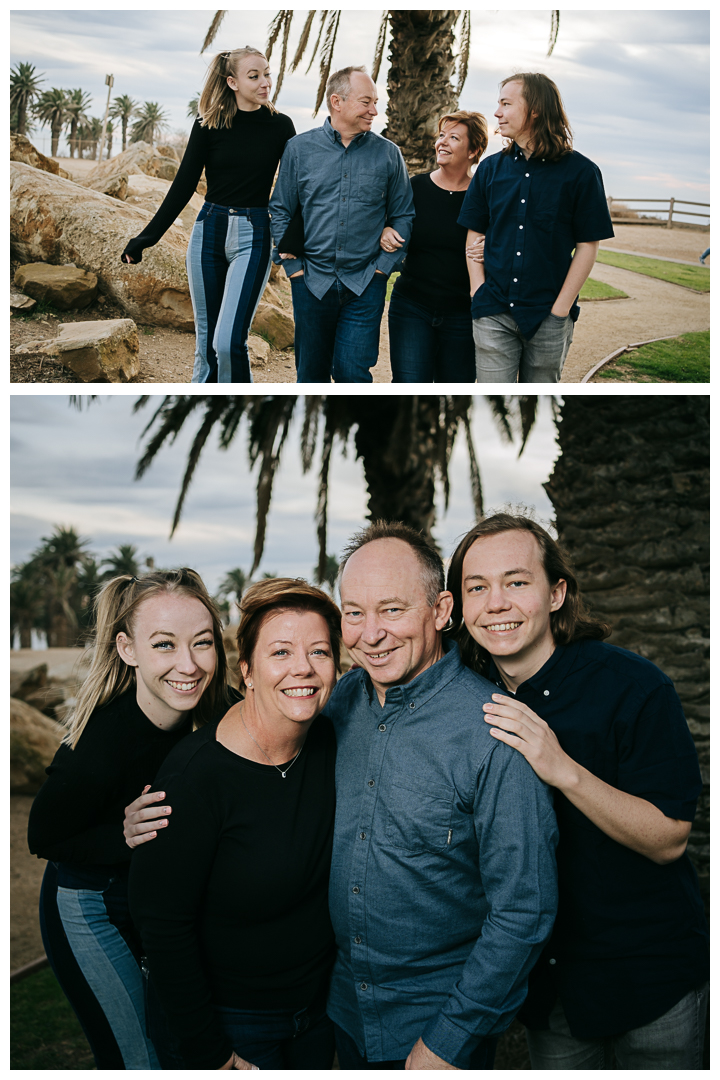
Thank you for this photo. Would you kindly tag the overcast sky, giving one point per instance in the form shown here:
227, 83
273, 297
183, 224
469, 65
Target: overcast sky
76, 469
635, 83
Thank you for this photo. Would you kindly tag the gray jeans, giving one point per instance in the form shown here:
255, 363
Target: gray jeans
673, 1041
502, 354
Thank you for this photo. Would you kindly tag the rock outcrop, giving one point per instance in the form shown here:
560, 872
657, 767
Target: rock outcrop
140, 157
274, 324
21, 149
54, 220
105, 351
147, 193
65, 287
34, 740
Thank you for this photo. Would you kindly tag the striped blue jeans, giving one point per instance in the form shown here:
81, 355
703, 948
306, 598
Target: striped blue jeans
91, 944
228, 265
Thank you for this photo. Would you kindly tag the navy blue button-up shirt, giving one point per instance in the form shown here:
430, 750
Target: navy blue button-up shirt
443, 883
533, 213
348, 195
630, 938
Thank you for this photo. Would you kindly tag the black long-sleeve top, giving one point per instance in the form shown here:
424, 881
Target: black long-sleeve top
77, 816
435, 271
231, 898
240, 164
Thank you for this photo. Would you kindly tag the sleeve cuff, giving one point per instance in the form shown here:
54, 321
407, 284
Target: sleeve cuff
449, 1042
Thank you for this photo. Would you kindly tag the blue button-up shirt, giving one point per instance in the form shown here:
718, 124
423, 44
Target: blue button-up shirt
348, 195
443, 882
533, 213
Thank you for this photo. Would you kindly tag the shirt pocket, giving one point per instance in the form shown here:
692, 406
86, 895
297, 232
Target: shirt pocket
420, 815
371, 187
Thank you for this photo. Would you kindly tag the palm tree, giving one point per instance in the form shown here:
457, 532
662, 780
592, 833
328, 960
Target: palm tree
234, 583
24, 86
150, 118
405, 444
77, 104
123, 109
192, 109
123, 561
27, 606
51, 109
108, 139
420, 87
631, 495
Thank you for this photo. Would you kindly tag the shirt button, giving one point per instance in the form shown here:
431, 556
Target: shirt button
527, 174
342, 223
381, 727
546, 692
412, 704
363, 835
522, 200
363, 986
519, 226
517, 253
552, 961
355, 889
514, 279
512, 305
358, 940
371, 783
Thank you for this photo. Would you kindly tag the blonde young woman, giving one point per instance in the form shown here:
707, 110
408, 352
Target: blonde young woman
158, 669
238, 138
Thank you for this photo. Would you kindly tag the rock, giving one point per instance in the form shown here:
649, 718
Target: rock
20, 302
258, 349
117, 186
65, 287
168, 151
140, 157
21, 149
147, 192
272, 296
106, 351
34, 740
274, 324
56, 221
26, 680
275, 271
30, 348
47, 699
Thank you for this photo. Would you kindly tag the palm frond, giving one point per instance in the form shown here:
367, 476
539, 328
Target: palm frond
283, 56
463, 59
268, 431
380, 45
323, 20
554, 30
527, 406
326, 57
214, 409
304, 38
212, 30
500, 409
273, 32
308, 435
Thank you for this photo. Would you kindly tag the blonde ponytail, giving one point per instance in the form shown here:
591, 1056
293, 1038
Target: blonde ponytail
217, 105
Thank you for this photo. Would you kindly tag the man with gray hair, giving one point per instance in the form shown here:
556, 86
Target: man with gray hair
352, 189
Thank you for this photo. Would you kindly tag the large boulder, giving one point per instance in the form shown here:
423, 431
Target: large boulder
27, 677
147, 193
56, 221
21, 149
34, 740
274, 324
140, 157
168, 151
104, 351
65, 287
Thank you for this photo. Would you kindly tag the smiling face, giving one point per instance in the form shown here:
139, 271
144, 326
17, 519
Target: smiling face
356, 112
292, 671
251, 83
173, 652
452, 146
512, 114
507, 601
388, 626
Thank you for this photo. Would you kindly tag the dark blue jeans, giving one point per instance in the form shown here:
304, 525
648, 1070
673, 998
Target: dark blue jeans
350, 1057
429, 346
338, 336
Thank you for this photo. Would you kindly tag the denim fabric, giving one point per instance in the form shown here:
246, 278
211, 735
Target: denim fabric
337, 336
503, 354
443, 884
228, 266
429, 346
94, 923
348, 194
673, 1041
349, 1057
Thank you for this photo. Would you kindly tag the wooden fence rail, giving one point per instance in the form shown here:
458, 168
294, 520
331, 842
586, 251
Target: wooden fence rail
672, 205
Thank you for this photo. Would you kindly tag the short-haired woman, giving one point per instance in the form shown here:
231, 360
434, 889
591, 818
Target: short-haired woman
429, 320
238, 138
158, 667
231, 899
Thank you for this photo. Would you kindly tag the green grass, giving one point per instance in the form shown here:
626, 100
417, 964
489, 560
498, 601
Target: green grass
598, 290
683, 359
44, 1031
694, 277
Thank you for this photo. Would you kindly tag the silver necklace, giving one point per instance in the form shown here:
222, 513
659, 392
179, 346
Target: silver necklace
283, 774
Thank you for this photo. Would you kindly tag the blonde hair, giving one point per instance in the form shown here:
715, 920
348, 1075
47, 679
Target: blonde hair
217, 105
277, 594
109, 675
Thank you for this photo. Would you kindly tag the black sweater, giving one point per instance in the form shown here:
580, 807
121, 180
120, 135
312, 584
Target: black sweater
240, 164
434, 272
77, 816
231, 898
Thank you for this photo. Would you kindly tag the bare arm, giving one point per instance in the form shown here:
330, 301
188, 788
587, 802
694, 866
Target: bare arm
580, 267
476, 270
628, 819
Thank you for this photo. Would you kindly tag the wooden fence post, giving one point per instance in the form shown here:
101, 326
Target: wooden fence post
670, 214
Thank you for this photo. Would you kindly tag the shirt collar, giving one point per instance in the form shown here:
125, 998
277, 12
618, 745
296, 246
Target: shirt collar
424, 686
336, 137
550, 674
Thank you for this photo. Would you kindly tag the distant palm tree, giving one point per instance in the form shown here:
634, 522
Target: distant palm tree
123, 109
24, 86
78, 103
123, 561
150, 119
27, 605
234, 583
108, 139
192, 110
51, 110
88, 137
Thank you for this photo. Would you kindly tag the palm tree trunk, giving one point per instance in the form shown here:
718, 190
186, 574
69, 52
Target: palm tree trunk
21, 120
631, 495
55, 133
419, 86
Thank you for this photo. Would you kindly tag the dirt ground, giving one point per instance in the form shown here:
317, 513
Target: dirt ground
653, 309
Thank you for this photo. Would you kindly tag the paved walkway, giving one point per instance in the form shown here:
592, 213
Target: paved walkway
662, 258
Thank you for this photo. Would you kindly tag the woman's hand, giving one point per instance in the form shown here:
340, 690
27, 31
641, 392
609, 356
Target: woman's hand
286, 255
476, 250
391, 240
137, 826
237, 1062
128, 259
